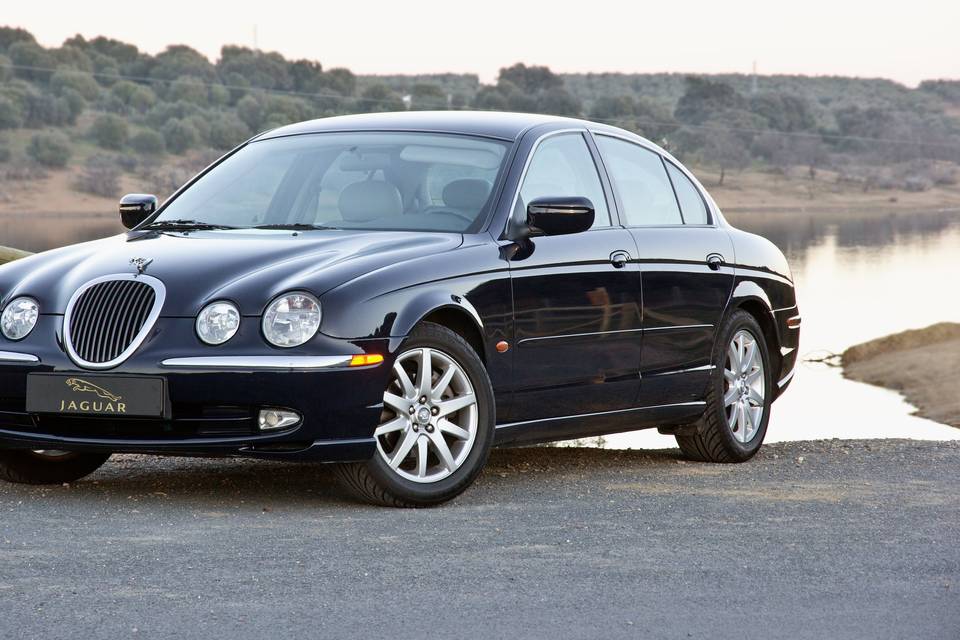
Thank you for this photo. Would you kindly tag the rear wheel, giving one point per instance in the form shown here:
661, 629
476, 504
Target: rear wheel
738, 401
436, 428
48, 466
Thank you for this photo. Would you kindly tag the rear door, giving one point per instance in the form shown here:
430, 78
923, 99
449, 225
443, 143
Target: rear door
576, 297
683, 261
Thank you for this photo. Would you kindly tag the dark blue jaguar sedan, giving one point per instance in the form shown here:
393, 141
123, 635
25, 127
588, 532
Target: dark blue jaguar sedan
397, 294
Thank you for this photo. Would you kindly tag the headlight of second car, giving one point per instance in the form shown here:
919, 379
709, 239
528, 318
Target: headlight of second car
218, 322
19, 318
291, 320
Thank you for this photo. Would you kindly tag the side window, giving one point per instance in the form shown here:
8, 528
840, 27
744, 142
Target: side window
691, 202
641, 182
562, 166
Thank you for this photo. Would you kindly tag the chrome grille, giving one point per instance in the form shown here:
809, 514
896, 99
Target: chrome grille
110, 316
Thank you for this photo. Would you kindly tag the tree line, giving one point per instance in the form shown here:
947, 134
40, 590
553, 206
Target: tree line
136, 107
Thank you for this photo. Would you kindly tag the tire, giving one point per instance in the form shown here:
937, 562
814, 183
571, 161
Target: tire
399, 474
715, 438
35, 467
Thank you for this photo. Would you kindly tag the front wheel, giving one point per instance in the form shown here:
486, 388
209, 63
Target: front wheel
48, 466
738, 401
436, 429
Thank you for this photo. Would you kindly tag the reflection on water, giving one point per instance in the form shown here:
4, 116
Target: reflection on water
858, 277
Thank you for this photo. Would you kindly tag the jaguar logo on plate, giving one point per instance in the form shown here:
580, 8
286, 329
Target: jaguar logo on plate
112, 402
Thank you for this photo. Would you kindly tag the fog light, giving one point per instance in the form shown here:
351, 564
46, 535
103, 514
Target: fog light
273, 419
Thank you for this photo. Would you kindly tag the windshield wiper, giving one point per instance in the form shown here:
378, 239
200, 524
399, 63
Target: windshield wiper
185, 225
297, 226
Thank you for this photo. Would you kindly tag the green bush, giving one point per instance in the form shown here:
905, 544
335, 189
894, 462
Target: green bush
179, 135
227, 132
109, 131
81, 82
4, 153
50, 148
11, 116
148, 142
135, 96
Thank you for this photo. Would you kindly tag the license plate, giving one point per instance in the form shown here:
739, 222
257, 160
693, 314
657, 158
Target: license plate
86, 395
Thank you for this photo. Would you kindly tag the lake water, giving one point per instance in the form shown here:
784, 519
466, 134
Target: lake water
858, 277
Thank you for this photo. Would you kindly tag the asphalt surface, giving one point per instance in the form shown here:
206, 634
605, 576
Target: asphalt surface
809, 540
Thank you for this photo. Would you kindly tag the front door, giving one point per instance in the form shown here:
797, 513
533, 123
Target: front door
576, 298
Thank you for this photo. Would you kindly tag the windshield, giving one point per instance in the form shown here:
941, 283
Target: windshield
379, 181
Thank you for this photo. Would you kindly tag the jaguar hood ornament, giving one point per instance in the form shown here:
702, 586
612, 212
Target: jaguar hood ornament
141, 264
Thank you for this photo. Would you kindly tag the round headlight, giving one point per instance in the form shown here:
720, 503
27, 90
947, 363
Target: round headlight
218, 322
19, 318
291, 320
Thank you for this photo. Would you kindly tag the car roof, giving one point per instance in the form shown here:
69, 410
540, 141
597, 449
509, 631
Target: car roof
506, 126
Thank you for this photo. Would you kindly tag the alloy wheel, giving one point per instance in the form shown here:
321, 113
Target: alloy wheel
430, 416
744, 396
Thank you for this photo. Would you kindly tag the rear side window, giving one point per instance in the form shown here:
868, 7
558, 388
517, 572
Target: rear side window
641, 181
691, 203
562, 166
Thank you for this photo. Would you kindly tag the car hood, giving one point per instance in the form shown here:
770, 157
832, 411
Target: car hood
247, 267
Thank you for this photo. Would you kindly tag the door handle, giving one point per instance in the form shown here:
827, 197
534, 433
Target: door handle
715, 261
619, 259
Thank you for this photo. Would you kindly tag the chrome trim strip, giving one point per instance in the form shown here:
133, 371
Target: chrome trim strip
579, 335
706, 367
603, 413
10, 356
603, 333
786, 379
259, 362
161, 295
681, 326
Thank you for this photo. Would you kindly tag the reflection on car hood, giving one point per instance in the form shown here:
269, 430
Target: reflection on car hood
248, 267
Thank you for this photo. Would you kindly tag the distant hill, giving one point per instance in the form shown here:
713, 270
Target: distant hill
107, 113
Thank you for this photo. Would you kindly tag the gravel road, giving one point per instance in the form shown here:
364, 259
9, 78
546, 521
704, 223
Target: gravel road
810, 540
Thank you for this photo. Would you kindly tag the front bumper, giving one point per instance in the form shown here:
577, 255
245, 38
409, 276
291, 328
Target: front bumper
214, 395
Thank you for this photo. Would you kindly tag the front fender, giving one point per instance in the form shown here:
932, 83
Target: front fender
427, 302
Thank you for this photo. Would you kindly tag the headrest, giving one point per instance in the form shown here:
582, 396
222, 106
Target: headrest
467, 193
369, 200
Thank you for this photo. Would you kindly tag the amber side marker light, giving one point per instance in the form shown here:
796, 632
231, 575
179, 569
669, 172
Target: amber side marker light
365, 359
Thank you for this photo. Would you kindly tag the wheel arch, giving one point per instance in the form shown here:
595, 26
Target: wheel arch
751, 298
448, 310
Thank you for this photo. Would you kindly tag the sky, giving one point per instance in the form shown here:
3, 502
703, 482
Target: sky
903, 41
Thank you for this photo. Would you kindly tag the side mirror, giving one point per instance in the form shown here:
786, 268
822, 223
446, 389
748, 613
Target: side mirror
560, 216
136, 207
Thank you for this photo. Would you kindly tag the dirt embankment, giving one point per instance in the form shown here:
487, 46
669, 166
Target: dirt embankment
922, 364
8, 255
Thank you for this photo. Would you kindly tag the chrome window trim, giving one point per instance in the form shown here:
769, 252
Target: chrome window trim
259, 362
160, 292
664, 157
11, 356
526, 166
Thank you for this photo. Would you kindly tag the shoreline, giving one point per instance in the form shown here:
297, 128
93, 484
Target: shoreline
920, 364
